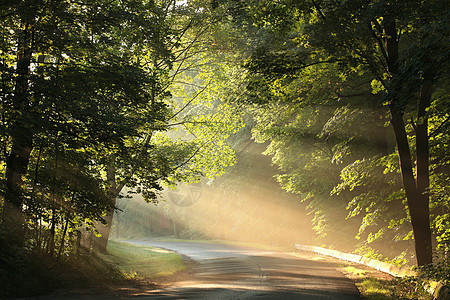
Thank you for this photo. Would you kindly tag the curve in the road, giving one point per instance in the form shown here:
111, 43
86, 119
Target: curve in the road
235, 272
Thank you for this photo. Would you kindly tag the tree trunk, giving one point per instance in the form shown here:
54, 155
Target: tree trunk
101, 243
51, 243
17, 161
417, 202
16, 168
424, 251
417, 198
61, 245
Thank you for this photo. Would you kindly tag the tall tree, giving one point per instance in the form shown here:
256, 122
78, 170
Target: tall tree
198, 148
401, 43
73, 69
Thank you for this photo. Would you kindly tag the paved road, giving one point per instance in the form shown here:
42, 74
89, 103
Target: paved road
234, 272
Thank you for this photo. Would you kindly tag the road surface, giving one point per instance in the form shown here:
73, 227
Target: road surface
236, 272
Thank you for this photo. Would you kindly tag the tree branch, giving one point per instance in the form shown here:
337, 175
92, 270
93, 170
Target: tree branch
185, 122
379, 41
190, 101
318, 10
413, 124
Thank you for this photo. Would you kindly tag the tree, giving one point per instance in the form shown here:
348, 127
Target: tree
401, 44
74, 70
202, 124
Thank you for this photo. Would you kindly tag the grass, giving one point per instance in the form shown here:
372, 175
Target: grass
373, 288
398, 288
355, 271
143, 261
372, 284
27, 274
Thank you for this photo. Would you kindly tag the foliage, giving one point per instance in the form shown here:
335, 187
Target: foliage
25, 273
86, 86
392, 289
319, 74
439, 272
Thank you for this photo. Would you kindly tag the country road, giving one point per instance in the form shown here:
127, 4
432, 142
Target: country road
219, 271
235, 272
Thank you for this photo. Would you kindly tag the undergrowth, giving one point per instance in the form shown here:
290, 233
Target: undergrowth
24, 273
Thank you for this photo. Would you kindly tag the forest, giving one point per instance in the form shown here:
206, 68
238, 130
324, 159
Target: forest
335, 113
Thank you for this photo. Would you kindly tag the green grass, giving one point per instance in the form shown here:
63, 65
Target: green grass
374, 289
355, 271
143, 261
398, 288
26, 274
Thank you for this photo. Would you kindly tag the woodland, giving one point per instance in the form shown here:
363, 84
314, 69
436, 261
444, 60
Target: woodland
348, 100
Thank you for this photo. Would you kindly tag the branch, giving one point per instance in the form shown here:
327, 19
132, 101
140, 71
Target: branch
186, 122
190, 101
193, 154
379, 41
319, 148
294, 69
190, 45
318, 10
183, 32
413, 124
146, 141
188, 159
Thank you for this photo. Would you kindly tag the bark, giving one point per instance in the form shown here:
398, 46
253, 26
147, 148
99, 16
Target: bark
51, 243
417, 203
150, 221
22, 145
422, 146
380, 132
16, 168
61, 245
101, 243
417, 198
422, 208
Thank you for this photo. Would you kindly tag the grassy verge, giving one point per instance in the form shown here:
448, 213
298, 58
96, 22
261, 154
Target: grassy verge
371, 283
373, 288
143, 262
26, 274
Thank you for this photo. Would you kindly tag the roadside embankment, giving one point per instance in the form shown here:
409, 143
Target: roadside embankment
437, 290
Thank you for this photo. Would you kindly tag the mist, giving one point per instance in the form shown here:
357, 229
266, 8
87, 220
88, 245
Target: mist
245, 205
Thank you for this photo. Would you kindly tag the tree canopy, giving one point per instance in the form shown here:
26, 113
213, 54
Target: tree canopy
350, 100
326, 78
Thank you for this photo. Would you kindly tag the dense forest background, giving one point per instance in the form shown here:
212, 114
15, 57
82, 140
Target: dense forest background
347, 101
